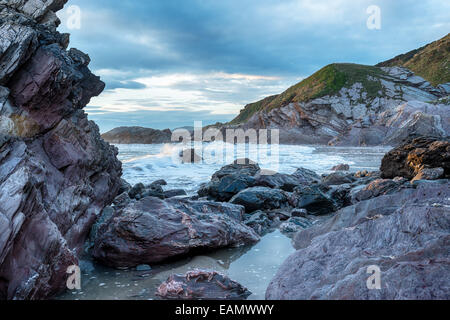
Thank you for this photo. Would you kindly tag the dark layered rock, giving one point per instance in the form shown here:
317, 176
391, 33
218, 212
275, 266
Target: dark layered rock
151, 230
259, 221
378, 188
230, 180
261, 198
137, 135
294, 225
56, 173
244, 174
174, 193
202, 285
281, 181
338, 178
409, 159
313, 199
341, 167
405, 234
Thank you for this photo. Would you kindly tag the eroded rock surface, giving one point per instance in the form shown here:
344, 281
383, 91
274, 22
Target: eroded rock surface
56, 173
152, 230
410, 158
202, 285
405, 234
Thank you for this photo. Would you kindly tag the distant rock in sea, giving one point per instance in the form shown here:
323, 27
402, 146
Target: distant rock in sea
137, 135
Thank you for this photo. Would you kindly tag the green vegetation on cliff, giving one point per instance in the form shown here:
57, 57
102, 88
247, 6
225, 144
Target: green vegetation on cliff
431, 62
327, 81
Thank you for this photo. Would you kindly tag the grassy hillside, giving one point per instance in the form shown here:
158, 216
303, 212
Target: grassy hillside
327, 81
431, 62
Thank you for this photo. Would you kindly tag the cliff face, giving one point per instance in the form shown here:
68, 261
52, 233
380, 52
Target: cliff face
347, 104
56, 173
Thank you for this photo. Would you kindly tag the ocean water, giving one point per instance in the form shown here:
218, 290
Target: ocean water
147, 163
252, 266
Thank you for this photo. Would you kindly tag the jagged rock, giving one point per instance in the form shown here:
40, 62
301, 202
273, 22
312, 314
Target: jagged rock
229, 181
137, 135
140, 191
56, 173
338, 178
306, 176
422, 153
405, 234
281, 181
294, 225
313, 200
124, 186
341, 167
378, 188
257, 198
299, 213
258, 221
202, 285
429, 174
160, 182
174, 193
151, 230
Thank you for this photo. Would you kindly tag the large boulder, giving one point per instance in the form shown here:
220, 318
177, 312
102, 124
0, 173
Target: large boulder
202, 285
313, 199
261, 198
230, 180
409, 159
151, 230
405, 234
56, 173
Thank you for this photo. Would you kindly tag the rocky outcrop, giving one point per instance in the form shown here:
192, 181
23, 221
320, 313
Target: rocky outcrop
405, 234
230, 180
260, 198
151, 230
371, 106
408, 160
202, 285
56, 173
341, 167
137, 135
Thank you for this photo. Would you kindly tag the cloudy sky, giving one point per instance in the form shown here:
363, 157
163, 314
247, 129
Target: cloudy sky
169, 63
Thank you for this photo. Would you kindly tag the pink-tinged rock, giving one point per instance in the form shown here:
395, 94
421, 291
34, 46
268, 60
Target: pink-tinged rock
56, 173
406, 234
202, 285
151, 231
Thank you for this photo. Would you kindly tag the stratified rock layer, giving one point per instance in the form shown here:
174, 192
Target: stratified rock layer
406, 234
409, 159
152, 230
56, 173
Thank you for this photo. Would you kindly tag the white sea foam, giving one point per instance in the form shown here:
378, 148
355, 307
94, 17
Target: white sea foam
147, 163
